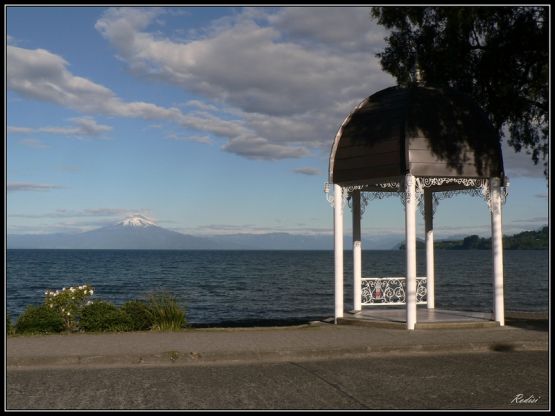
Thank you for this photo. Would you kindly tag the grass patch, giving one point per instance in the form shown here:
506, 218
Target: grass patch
164, 312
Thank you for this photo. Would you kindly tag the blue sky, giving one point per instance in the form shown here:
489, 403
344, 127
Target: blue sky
208, 120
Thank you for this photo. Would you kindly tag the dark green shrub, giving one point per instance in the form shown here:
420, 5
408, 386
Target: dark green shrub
103, 316
138, 314
39, 319
165, 313
10, 329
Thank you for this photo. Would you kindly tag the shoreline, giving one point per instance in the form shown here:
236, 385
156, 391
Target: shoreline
512, 315
256, 323
540, 317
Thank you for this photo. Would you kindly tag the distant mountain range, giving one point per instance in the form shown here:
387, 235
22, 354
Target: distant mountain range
140, 233
132, 233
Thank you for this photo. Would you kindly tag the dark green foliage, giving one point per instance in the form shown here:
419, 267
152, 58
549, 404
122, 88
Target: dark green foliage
39, 319
10, 329
499, 55
159, 312
138, 314
527, 240
475, 242
103, 316
165, 313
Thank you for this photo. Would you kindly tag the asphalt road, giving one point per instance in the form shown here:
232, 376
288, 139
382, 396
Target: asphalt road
484, 380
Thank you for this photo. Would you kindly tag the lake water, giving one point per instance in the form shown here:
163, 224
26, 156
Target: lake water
248, 287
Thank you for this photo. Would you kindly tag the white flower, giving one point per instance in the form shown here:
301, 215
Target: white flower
68, 314
71, 289
91, 291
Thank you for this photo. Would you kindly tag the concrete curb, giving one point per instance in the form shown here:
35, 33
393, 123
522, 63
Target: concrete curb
178, 358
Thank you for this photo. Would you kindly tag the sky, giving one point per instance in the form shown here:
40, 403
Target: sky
207, 120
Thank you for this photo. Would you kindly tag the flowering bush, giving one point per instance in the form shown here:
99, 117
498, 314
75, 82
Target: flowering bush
69, 303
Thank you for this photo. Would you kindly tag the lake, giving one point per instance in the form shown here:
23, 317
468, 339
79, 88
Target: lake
253, 287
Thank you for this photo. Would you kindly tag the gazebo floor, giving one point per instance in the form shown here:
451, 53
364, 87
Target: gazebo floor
425, 318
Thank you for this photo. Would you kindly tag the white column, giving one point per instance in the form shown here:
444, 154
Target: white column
338, 233
497, 251
410, 233
429, 226
357, 244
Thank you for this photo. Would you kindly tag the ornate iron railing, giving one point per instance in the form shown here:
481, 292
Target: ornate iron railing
391, 290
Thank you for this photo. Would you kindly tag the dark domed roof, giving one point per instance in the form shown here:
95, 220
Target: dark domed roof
425, 131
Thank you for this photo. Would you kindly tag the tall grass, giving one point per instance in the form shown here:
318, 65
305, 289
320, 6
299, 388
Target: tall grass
164, 312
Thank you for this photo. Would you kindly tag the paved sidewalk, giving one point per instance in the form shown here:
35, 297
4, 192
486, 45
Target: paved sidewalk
317, 340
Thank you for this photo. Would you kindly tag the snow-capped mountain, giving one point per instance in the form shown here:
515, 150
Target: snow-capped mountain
138, 232
136, 221
135, 233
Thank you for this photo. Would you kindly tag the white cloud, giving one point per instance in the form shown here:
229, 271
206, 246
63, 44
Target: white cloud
533, 220
201, 105
270, 85
25, 186
42, 75
258, 148
60, 227
248, 65
348, 28
186, 138
83, 127
308, 171
290, 83
20, 130
87, 212
34, 143
227, 229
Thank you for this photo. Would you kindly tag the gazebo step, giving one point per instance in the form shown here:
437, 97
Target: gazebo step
418, 325
371, 323
456, 324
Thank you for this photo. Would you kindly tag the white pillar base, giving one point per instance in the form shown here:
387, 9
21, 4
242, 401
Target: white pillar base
338, 234
357, 253
497, 251
410, 233
430, 267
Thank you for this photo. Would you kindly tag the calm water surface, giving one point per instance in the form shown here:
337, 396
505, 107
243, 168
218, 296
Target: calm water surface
219, 287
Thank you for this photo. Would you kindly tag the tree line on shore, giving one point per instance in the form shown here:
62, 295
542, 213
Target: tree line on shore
526, 240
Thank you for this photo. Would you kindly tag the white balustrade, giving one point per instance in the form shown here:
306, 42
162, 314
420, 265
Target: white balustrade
391, 291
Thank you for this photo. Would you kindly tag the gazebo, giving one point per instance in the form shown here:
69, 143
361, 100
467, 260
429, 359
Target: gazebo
423, 144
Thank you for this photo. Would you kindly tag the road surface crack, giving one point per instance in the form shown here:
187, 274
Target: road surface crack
337, 387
